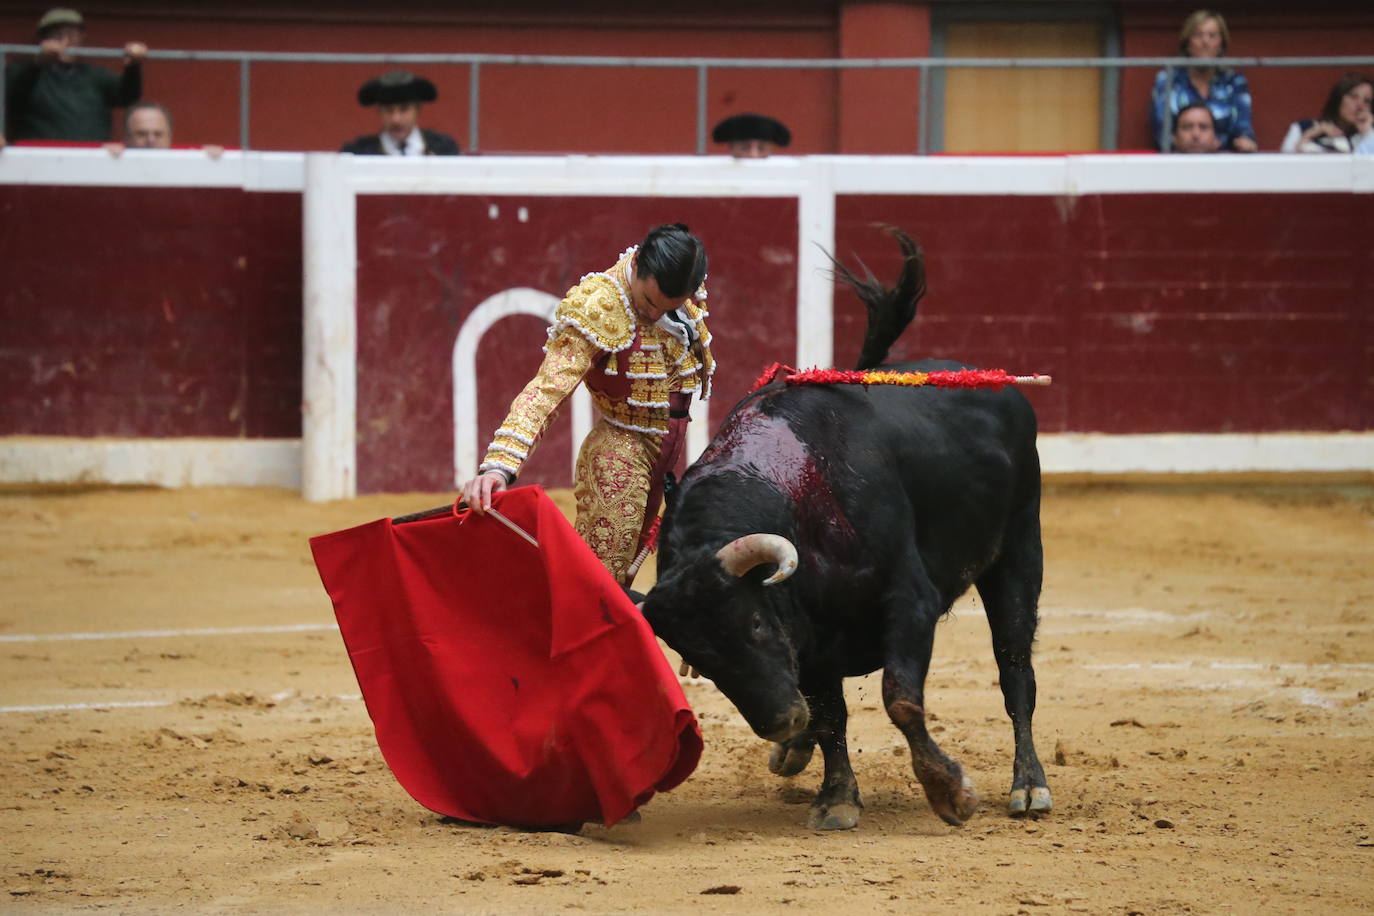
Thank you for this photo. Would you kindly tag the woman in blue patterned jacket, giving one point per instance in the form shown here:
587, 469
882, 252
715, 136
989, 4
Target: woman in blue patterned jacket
1204, 36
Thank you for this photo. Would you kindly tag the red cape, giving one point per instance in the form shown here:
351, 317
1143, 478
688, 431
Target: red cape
507, 684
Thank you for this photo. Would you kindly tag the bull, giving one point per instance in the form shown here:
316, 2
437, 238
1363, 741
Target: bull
823, 533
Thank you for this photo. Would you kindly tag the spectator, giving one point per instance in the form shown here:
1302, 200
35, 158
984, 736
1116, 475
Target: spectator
1195, 130
1204, 36
148, 125
398, 96
751, 136
1366, 147
1345, 122
56, 97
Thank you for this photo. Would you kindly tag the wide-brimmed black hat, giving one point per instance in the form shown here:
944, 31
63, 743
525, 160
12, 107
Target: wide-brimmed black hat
397, 87
751, 127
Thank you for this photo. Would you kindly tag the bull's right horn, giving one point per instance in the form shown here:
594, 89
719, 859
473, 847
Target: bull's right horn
744, 553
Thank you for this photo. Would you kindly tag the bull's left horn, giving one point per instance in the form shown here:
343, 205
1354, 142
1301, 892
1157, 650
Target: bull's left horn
744, 553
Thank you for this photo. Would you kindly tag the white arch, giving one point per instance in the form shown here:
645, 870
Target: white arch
520, 300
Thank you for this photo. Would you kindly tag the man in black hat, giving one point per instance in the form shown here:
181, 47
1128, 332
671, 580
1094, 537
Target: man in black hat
398, 96
752, 136
54, 96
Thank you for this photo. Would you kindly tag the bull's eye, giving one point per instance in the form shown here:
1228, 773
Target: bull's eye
758, 623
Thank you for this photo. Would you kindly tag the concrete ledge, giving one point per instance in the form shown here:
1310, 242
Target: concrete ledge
1221, 453
277, 462
158, 462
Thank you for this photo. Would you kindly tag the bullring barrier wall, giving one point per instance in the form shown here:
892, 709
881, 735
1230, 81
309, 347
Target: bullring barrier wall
349, 325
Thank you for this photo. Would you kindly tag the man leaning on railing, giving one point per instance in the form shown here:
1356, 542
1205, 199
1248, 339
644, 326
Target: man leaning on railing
54, 96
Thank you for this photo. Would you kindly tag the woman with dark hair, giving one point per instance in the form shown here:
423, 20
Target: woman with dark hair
636, 335
1225, 92
1345, 121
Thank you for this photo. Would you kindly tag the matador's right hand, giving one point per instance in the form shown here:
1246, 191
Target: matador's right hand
477, 491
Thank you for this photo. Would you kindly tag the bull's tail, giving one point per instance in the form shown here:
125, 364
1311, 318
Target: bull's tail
890, 310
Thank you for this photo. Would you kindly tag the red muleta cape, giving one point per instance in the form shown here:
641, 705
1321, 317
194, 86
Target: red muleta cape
507, 684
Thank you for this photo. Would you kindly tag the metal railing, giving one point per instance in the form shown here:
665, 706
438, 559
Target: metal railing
701, 65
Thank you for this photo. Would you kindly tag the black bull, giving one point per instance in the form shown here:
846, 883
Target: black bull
873, 509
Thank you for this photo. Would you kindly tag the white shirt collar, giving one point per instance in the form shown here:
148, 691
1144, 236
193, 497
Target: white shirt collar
678, 325
415, 144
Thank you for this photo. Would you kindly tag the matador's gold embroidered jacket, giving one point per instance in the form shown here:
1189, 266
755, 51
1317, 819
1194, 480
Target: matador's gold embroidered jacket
630, 366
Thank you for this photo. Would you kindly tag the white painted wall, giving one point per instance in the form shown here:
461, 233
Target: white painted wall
152, 462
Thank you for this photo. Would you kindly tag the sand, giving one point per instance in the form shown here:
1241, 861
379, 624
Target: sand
1206, 716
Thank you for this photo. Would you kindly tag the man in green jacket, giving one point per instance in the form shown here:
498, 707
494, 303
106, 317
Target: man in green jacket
54, 96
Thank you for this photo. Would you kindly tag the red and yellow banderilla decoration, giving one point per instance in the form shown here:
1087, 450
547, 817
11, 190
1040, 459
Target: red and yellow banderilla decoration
993, 379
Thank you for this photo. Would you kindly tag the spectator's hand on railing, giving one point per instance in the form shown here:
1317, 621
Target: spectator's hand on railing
134, 52
211, 150
1244, 145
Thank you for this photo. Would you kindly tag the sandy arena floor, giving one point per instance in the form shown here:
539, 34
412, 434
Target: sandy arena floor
1206, 669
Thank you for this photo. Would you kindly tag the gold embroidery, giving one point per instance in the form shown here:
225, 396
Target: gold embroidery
595, 308
611, 490
566, 360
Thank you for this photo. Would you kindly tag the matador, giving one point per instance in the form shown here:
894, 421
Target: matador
637, 337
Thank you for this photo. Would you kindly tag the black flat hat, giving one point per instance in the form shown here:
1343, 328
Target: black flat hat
751, 127
397, 87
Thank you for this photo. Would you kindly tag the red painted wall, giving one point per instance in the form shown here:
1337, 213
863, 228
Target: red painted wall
424, 263
1154, 313
880, 109
149, 312
171, 312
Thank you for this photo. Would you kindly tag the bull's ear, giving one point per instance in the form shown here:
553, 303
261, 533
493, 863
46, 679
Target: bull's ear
669, 488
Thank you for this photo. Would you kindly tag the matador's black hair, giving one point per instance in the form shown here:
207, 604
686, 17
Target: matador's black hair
674, 257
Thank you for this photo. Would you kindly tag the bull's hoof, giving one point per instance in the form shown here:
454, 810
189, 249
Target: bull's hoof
966, 801
957, 806
1037, 801
788, 759
834, 817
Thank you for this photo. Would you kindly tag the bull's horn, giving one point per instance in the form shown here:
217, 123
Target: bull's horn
744, 553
